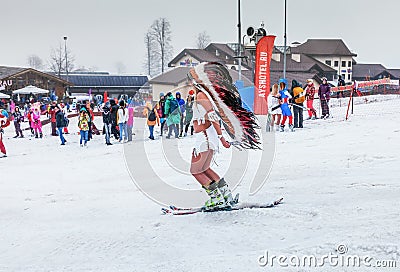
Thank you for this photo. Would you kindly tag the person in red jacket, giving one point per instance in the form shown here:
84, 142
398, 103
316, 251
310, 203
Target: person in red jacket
4, 122
30, 120
310, 93
52, 113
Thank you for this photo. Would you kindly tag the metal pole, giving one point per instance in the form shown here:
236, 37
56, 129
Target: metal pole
66, 59
284, 45
239, 43
66, 63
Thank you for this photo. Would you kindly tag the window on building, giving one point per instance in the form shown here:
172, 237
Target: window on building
336, 63
349, 77
349, 63
343, 76
343, 63
328, 62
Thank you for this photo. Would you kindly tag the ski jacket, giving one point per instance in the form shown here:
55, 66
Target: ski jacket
60, 119
122, 115
310, 92
36, 123
114, 113
83, 122
106, 115
324, 92
146, 113
130, 116
160, 108
18, 118
298, 95
174, 117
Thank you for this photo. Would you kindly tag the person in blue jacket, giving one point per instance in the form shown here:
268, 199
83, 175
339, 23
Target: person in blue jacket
181, 104
286, 112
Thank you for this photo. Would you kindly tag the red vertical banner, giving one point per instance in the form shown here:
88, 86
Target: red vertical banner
264, 50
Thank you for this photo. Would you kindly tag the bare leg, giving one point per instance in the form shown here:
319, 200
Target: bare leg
199, 168
212, 175
278, 121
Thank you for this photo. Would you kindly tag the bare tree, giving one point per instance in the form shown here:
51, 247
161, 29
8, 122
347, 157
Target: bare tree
203, 39
35, 62
152, 66
57, 62
160, 30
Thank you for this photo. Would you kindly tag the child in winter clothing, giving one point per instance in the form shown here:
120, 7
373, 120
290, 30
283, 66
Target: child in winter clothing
274, 107
18, 118
83, 125
37, 124
284, 100
310, 93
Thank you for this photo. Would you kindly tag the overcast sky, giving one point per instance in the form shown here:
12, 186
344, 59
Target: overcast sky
102, 33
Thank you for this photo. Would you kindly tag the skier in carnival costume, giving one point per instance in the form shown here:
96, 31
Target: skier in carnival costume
286, 112
217, 100
4, 122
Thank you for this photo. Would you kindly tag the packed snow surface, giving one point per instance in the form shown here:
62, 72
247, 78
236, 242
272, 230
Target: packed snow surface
68, 208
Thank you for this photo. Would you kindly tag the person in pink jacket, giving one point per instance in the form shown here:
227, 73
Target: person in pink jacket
36, 123
129, 123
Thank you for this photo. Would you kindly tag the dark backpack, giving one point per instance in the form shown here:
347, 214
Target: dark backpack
173, 105
152, 115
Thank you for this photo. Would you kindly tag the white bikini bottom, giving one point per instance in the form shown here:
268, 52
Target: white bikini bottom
206, 140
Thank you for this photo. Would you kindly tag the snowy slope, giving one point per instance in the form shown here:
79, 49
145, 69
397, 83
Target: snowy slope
67, 208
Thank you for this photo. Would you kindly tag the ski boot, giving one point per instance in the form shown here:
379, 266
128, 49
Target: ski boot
216, 200
41, 135
282, 128
226, 192
291, 128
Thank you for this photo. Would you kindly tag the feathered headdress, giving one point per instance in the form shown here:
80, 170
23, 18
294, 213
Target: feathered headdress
214, 80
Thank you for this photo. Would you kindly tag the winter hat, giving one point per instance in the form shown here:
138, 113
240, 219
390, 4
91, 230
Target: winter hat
191, 92
177, 93
324, 78
161, 94
283, 80
310, 80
